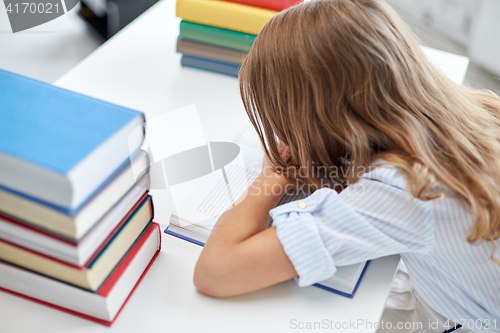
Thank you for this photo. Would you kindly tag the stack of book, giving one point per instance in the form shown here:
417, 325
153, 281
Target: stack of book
217, 35
76, 230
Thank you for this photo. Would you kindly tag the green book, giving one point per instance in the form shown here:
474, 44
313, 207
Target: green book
216, 36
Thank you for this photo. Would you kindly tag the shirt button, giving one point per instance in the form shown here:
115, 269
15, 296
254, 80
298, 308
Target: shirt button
302, 205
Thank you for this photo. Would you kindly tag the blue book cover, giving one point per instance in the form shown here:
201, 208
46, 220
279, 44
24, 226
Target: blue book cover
210, 65
54, 140
348, 295
171, 233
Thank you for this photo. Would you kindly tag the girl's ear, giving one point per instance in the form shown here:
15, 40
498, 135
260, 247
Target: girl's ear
284, 151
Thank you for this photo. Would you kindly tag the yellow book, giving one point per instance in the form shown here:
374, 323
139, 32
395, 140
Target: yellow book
224, 14
92, 275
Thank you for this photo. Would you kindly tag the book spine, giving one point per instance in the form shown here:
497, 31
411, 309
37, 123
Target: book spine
194, 241
117, 273
211, 52
104, 292
223, 14
79, 276
216, 36
277, 5
209, 65
145, 198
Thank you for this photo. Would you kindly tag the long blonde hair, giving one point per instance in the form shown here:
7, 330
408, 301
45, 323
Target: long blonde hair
344, 83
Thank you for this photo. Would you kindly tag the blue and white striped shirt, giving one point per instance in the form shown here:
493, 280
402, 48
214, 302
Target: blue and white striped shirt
376, 217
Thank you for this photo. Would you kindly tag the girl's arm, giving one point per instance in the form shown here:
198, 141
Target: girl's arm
241, 254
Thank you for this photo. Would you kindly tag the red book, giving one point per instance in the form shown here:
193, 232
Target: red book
102, 306
277, 5
79, 254
93, 275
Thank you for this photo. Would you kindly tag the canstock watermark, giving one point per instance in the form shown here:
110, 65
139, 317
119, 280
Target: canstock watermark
361, 325
26, 14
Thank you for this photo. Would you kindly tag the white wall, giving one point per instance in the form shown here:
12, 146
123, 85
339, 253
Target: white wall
474, 24
485, 44
453, 18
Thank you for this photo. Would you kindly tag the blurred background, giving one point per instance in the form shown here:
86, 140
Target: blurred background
466, 27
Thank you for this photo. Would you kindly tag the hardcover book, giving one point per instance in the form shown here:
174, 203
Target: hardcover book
210, 52
216, 36
78, 254
58, 147
277, 5
92, 275
210, 65
102, 306
74, 226
224, 14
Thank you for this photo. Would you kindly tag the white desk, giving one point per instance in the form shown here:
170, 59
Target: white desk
139, 68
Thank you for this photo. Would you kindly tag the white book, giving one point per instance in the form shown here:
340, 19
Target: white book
80, 253
213, 194
102, 306
74, 227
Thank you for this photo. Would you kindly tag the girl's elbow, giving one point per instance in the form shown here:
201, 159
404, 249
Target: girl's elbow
205, 286
210, 276
204, 283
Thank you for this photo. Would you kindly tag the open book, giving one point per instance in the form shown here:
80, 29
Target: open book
211, 195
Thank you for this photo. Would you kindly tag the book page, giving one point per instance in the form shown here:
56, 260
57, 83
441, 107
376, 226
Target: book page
214, 193
349, 273
345, 277
222, 195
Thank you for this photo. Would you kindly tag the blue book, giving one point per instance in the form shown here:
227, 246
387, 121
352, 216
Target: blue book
210, 65
210, 52
344, 282
58, 147
194, 225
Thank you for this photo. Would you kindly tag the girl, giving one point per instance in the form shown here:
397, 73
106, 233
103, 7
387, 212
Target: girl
342, 95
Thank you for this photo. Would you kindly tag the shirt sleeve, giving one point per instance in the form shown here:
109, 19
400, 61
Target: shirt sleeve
368, 220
